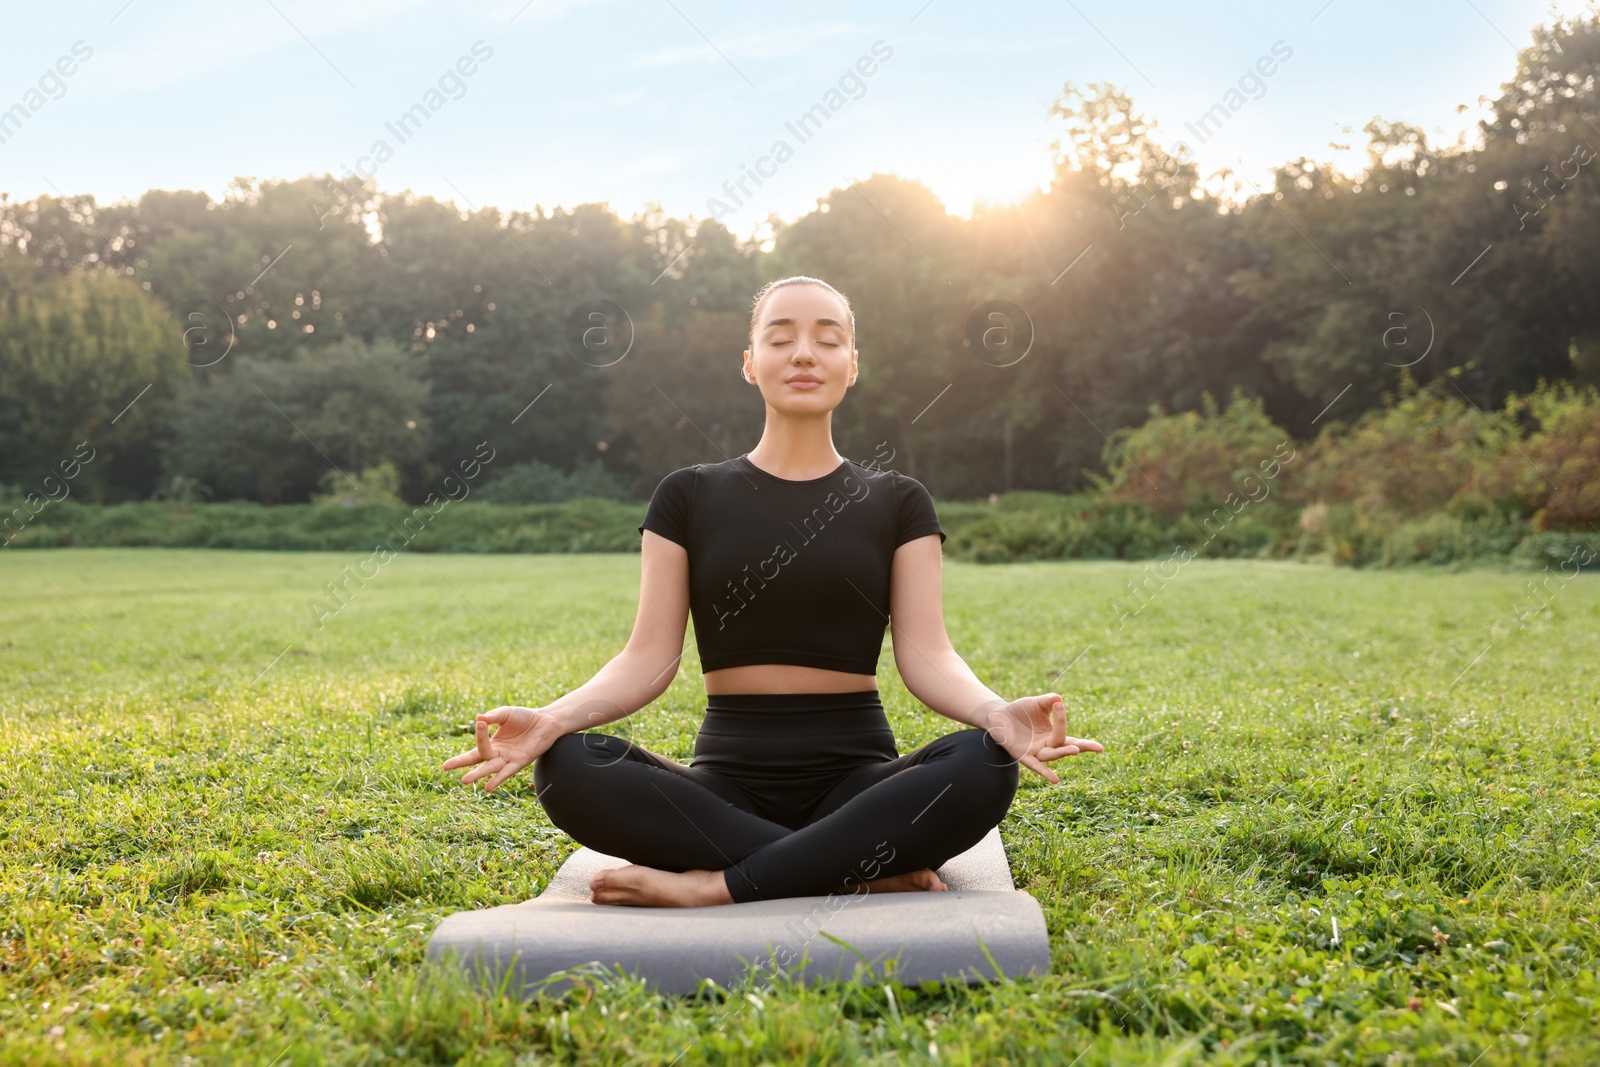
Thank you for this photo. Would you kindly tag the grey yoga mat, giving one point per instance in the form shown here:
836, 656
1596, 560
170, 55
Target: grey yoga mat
979, 929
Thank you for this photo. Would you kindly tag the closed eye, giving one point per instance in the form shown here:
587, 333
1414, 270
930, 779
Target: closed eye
780, 344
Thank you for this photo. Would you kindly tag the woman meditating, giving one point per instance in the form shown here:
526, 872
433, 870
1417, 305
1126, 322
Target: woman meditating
792, 561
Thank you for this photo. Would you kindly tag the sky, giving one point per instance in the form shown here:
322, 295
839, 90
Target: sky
670, 103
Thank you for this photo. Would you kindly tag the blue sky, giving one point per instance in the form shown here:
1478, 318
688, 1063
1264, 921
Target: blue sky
663, 101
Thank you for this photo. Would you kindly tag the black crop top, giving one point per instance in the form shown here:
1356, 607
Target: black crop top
784, 571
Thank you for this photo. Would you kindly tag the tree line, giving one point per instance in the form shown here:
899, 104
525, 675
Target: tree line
305, 336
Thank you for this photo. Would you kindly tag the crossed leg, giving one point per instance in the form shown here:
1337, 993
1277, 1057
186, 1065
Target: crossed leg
882, 826
618, 798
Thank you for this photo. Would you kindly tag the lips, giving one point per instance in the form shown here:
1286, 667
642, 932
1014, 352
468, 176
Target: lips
805, 378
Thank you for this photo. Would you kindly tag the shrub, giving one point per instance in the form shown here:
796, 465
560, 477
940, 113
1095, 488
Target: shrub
1552, 549
1556, 475
536, 482
1410, 457
584, 525
1176, 463
375, 485
1339, 533
1037, 526
1446, 539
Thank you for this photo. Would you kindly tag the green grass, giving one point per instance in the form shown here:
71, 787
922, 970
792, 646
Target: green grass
223, 834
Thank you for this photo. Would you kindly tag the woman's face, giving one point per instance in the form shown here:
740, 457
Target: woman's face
802, 332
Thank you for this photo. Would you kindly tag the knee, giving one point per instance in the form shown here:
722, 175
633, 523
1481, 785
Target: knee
992, 773
565, 762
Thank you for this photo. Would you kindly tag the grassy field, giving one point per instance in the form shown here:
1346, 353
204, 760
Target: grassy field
1342, 817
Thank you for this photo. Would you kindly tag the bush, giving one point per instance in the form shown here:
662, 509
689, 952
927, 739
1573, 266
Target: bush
1552, 549
585, 525
1556, 476
1339, 533
1446, 539
536, 482
1190, 460
1411, 457
375, 485
1038, 526
1255, 529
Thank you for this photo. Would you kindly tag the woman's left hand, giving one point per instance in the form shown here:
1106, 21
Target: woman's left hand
1034, 730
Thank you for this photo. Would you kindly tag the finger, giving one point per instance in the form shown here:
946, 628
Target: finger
511, 767
1086, 744
485, 746
497, 716
1040, 769
465, 759
1058, 721
1050, 754
481, 770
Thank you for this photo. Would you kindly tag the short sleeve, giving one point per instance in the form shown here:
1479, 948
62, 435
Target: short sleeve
668, 513
914, 507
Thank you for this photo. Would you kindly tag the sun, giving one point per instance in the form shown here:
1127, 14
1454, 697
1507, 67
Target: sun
1004, 182
1009, 192
994, 183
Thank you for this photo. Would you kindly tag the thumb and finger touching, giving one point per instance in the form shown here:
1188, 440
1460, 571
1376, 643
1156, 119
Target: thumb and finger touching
497, 765
482, 750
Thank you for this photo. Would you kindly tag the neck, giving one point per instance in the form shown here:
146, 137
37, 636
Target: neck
796, 448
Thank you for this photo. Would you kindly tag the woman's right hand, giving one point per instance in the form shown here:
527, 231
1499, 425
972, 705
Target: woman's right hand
1034, 730
523, 736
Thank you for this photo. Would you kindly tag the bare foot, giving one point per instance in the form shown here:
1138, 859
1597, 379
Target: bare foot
646, 887
914, 881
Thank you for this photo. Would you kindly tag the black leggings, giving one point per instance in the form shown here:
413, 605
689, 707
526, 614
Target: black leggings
789, 794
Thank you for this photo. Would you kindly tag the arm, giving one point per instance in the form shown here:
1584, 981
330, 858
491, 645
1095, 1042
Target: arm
648, 663
631, 679
1033, 728
928, 663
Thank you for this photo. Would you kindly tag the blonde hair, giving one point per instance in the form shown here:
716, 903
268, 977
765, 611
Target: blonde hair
797, 279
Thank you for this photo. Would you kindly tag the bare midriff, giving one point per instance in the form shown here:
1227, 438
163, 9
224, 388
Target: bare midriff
785, 678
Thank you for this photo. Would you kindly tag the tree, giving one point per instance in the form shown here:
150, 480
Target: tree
85, 356
270, 429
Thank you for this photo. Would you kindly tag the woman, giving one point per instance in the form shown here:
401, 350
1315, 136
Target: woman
791, 559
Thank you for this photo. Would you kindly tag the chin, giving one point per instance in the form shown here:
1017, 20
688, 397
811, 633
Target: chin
808, 402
